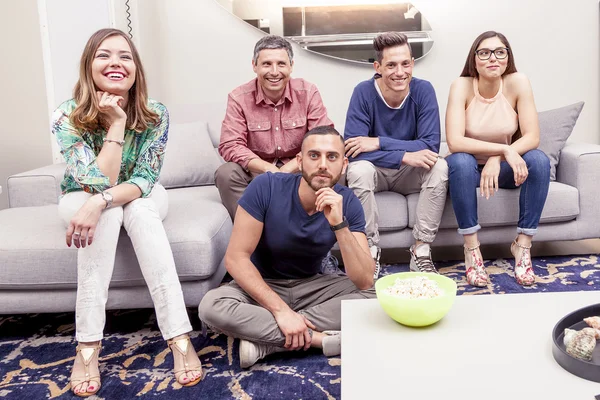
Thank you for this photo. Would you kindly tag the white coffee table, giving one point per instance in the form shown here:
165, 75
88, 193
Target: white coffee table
478, 351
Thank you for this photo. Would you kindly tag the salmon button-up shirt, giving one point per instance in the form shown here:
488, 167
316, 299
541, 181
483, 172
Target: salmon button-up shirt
255, 127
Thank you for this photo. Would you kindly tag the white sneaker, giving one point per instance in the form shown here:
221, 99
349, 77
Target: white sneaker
376, 254
251, 352
420, 259
332, 343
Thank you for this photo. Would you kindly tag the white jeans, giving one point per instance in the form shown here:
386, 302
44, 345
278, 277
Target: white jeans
142, 219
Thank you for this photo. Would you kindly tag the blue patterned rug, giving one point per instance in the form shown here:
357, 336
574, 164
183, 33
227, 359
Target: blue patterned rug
37, 350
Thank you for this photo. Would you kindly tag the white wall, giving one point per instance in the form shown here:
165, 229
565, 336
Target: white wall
64, 17
62, 48
25, 143
195, 52
260, 9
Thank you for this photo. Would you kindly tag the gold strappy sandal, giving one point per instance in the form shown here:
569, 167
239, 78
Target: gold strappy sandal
184, 360
85, 369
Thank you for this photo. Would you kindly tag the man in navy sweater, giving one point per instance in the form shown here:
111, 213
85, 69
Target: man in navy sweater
392, 137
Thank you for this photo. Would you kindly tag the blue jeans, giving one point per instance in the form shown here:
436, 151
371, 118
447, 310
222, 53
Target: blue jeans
463, 178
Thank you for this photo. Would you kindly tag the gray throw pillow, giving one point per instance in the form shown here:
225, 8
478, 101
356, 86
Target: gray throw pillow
190, 158
555, 128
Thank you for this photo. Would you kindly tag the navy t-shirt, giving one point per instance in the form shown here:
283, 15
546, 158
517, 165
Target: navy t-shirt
293, 243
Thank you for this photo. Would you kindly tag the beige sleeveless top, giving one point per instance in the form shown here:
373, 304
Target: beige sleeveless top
491, 120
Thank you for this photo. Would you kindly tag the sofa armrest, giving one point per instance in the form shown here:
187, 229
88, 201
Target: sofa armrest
578, 164
578, 167
38, 187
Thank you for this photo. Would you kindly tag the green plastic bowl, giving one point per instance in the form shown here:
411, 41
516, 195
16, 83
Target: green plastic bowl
416, 312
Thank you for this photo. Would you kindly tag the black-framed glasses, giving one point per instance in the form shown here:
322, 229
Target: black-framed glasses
500, 53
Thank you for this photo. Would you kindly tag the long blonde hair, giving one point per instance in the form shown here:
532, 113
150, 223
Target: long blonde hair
86, 113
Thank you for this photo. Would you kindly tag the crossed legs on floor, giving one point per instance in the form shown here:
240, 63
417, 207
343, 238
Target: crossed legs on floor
230, 310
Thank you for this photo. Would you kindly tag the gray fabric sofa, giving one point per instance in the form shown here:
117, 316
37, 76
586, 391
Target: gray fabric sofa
38, 271
570, 212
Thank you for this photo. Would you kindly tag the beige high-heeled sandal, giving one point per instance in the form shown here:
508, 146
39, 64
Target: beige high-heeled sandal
523, 268
475, 271
184, 361
85, 369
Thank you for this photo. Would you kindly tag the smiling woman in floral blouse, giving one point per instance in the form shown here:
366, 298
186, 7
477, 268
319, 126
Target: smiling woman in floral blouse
113, 139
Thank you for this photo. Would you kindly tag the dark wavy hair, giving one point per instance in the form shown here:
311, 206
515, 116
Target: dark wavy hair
470, 70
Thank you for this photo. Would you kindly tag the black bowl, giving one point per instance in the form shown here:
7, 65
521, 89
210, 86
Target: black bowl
589, 370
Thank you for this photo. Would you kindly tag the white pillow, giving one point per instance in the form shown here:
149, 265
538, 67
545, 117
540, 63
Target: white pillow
190, 158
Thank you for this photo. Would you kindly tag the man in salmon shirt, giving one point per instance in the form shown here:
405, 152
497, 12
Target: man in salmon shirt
266, 120
265, 123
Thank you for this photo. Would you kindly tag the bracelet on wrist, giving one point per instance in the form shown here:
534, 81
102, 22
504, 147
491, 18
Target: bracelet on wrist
119, 142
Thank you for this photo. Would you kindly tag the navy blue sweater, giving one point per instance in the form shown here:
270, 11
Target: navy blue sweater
414, 127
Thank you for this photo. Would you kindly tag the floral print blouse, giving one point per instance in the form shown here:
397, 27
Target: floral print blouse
143, 153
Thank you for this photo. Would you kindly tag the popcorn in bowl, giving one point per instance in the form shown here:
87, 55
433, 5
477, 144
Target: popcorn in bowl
415, 298
419, 287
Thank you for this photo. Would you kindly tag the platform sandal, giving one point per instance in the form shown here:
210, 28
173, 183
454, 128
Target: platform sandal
523, 269
476, 275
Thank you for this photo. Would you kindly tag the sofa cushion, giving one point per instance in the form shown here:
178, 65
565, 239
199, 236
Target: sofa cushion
214, 129
444, 151
393, 211
555, 128
33, 253
190, 159
502, 209
199, 227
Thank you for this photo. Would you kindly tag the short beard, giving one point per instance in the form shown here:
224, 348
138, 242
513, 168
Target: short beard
310, 180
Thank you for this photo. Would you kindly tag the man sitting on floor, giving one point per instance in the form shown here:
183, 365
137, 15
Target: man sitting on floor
284, 226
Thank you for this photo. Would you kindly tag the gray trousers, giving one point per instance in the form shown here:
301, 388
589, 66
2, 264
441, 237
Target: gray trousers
365, 179
231, 180
230, 310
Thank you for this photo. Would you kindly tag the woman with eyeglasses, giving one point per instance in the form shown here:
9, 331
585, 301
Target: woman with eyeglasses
493, 133
113, 139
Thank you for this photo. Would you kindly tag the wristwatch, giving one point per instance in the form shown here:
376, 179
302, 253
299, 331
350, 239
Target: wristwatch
108, 198
341, 225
